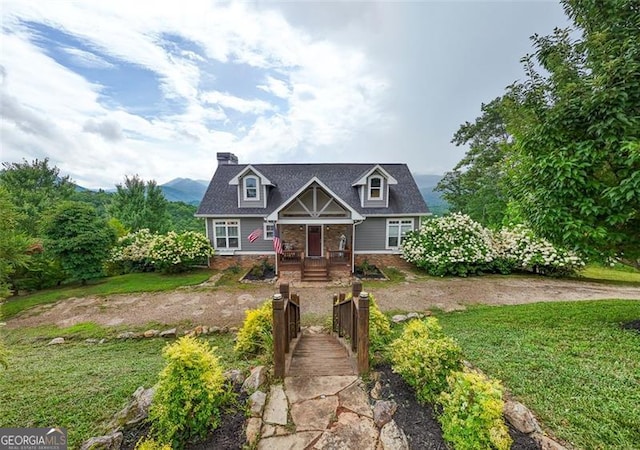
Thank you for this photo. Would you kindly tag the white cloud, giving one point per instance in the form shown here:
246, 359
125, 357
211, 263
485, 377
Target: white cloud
239, 104
87, 59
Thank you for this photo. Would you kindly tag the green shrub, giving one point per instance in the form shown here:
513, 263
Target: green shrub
379, 327
150, 444
424, 359
472, 413
256, 335
189, 394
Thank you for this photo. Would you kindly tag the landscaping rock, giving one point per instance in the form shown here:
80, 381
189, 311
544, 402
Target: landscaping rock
56, 341
546, 443
291, 441
170, 333
102, 341
376, 391
268, 430
253, 430
151, 333
392, 437
215, 330
414, 315
91, 341
127, 335
256, 403
399, 318
136, 411
277, 408
303, 388
233, 329
520, 417
234, 375
383, 412
257, 378
109, 442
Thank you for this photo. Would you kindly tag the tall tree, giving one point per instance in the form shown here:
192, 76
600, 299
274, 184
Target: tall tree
80, 239
575, 166
34, 188
14, 246
140, 205
474, 187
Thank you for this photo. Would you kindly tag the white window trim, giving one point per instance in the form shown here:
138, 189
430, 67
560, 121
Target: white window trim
227, 223
399, 221
244, 189
264, 231
370, 187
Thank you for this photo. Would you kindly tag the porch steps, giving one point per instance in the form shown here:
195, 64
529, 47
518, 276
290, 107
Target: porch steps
315, 270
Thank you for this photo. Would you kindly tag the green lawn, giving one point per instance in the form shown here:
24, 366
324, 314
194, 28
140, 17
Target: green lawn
77, 385
617, 273
570, 362
121, 284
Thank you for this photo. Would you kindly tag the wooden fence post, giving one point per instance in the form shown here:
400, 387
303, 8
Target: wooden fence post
279, 335
284, 290
356, 288
363, 333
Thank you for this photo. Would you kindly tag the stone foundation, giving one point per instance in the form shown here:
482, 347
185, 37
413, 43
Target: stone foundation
382, 261
222, 262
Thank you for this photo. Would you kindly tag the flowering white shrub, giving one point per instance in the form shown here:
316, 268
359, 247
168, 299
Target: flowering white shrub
456, 245
450, 245
519, 248
172, 252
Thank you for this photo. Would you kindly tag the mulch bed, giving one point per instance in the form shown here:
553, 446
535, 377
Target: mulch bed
419, 422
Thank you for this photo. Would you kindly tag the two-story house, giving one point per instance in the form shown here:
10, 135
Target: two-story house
313, 220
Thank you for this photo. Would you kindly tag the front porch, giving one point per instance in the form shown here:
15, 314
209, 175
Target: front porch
318, 252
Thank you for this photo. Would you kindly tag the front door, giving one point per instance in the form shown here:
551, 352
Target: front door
314, 240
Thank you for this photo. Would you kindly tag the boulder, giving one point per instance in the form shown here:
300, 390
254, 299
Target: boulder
215, 329
127, 335
520, 417
414, 315
383, 412
150, 333
256, 379
136, 411
91, 341
170, 333
256, 403
234, 375
56, 341
253, 430
546, 443
399, 318
108, 442
392, 437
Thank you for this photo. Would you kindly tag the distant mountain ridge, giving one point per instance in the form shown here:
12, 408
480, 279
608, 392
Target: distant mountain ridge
191, 191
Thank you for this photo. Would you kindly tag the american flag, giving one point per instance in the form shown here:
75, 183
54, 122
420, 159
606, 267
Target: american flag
255, 234
277, 243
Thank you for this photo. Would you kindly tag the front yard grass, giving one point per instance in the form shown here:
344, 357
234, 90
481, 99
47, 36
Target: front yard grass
570, 362
120, 284
617, 273
77, 385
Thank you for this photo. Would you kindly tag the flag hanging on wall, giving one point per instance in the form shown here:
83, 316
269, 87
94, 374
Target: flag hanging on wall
255, 234
277, 243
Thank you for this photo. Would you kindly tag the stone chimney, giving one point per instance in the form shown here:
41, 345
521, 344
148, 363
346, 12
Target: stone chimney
226, 158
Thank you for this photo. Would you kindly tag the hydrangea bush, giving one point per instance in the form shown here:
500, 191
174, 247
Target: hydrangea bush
457, 245
172, 252
450, 245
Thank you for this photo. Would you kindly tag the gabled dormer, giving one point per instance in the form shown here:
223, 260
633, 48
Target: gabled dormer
373, 187
253, 188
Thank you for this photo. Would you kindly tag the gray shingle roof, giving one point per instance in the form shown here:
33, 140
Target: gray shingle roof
222, 198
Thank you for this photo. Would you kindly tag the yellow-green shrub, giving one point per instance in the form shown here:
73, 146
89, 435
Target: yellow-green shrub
150, 444
472, 413
425, 362
256, 335
379, 327
189, 394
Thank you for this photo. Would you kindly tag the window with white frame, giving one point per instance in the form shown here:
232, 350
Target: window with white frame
251, 188
397, 229
375, 188
226, 234
268, 231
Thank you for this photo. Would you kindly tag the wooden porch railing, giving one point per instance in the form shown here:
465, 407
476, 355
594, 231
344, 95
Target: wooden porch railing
351, 320
286, 326
290, 257
339, 257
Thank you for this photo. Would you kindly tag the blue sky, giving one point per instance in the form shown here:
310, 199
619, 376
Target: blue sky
105, 89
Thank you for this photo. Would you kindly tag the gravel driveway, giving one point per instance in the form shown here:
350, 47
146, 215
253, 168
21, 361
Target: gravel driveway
221, 306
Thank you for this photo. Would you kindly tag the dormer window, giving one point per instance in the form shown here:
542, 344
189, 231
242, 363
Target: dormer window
375, 188
251, 188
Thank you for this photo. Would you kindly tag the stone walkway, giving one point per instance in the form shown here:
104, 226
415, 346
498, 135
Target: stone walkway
326, 412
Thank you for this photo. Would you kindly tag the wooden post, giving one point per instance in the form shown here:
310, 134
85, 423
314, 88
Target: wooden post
356, 288
335, 314
363, 333
278, 335
284, 290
